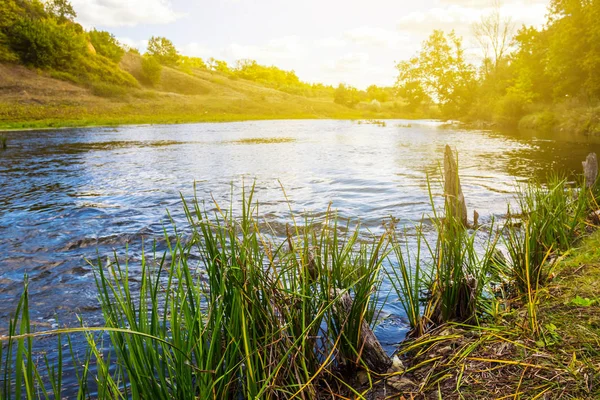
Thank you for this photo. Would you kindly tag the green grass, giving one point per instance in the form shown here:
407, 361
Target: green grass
44, 102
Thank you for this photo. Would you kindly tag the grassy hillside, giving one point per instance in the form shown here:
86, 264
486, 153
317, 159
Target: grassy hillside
31, 98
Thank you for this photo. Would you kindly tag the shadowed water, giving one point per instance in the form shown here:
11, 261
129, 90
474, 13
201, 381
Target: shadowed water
68, 195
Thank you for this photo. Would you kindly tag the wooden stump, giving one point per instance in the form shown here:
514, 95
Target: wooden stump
372, 354
590, 170
455, 200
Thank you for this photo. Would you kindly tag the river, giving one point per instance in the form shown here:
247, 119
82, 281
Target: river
68, 195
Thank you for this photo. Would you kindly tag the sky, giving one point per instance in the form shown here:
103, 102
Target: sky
357, 42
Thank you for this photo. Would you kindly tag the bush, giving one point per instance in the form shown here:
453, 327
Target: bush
106, 45
151, 70
45, 43
541, 121
510, 109
346, 96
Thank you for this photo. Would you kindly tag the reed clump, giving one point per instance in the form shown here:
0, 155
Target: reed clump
3, 142
252, 317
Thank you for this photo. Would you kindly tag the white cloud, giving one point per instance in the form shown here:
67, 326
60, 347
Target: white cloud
113, 13
375, 37
460, 18
196, 50
140, 45
273, 52
331, 41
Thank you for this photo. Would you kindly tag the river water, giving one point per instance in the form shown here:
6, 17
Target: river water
68, 195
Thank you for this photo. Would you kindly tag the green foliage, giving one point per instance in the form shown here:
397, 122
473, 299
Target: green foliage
62, 10
94, 68
439, 72
46, 43
583, 302
218, 66
151, 70
381, 94
346, 95
106, 45
163, 50
551, 218
189, 64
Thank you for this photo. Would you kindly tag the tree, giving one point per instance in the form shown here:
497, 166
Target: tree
163, 50
192, 63
380, 94
346, 95
439, 72
493, 33
47, 44
62, 10
218, 66
106, 45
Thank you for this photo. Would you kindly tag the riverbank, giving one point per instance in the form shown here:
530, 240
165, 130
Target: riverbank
31, 99
502, 359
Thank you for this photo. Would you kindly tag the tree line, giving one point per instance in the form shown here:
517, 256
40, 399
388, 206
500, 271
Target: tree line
525, 71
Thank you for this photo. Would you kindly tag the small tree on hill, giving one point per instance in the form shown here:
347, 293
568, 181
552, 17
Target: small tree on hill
163, 50
62, 10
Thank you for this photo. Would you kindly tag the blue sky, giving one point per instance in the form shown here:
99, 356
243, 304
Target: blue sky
351, 41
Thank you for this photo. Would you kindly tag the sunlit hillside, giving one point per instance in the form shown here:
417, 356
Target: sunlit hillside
30, 98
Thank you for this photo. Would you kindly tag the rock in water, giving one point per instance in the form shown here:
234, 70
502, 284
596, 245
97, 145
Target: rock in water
590, 170
455, 200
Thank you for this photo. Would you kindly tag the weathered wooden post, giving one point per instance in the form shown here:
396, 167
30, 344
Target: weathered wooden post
455, 200
590, 169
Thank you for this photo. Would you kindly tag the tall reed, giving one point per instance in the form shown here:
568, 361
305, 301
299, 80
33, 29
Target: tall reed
552, 217
229, 311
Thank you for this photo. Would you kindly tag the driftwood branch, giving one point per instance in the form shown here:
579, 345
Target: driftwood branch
372, 354
455, 200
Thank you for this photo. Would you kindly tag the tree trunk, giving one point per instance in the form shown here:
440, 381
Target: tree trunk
590, 170
455, 200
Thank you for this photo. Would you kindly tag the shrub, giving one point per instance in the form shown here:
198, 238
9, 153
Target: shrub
106, 45
346, 96
151, 70
45, 43
510, 109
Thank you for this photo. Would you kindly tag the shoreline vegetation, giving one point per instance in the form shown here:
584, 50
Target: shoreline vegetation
232, 310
